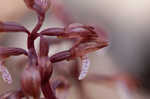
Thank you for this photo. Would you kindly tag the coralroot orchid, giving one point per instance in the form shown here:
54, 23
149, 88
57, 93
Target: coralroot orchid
38, 71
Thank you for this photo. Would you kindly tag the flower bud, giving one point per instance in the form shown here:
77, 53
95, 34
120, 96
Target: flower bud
88, 47
5, 52
12, 27
40, 6
60, 56
31, 81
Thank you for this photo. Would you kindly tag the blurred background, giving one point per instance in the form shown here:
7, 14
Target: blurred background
127, 24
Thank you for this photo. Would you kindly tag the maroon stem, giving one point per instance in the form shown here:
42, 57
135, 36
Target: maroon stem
33, 35
41, 18
20, 94
47, 91
31, 48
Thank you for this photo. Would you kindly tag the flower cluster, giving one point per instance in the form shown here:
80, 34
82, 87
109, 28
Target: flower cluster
38, 70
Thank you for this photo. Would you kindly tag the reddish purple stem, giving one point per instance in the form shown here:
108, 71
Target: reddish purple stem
47, 91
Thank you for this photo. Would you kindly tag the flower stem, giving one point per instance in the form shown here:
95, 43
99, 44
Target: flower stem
47, 91
41, 18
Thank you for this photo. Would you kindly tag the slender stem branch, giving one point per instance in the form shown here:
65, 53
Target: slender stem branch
33, 36
47, 91
27, 31
31, 48
41, 18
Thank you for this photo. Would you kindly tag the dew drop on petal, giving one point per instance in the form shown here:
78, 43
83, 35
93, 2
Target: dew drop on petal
85, 67
5, 74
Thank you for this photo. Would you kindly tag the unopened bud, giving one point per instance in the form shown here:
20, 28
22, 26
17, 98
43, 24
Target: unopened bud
41, 6
60, 56
12, 27
5, 52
